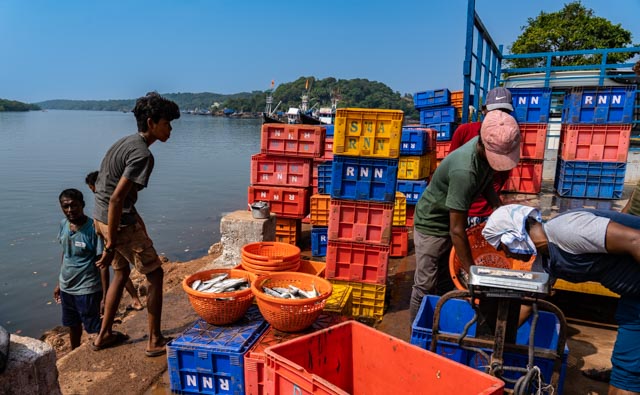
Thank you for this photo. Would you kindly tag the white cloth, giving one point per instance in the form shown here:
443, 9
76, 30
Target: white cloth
507, 226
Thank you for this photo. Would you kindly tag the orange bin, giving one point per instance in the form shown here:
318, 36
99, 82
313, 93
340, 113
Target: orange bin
360, 222
352, 358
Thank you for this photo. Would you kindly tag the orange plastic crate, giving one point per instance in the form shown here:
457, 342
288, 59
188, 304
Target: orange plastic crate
320, 210
283, 201
457, 98
280, 170
352, 358
598, 143
306, 141
359, 221
442, 149
288, 230
533, 140
526, 177
366, 263
399, 242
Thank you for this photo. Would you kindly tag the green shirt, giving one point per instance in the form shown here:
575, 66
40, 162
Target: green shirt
634, 209
459, 178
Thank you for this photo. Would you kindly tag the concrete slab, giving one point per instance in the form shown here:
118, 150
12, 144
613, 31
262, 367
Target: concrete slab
31, 368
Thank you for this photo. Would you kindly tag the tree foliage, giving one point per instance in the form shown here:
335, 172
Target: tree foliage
12, 105
574, 27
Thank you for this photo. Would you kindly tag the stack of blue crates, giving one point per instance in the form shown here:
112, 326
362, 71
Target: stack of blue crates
596, 115
436, 112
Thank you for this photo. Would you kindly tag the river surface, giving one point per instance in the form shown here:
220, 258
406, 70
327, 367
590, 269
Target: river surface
200, 173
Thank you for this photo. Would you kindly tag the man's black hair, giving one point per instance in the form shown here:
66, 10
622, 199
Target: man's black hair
73, 194
155, 107
91, 178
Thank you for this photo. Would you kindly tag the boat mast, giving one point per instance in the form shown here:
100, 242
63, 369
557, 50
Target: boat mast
267, 109
304, 106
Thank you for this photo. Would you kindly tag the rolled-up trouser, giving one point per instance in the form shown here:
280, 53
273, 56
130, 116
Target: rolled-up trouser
432, 269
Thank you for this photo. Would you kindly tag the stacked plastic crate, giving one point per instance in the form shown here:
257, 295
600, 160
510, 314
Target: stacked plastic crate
416, 164
281, 174
594, 141
366, 148
319, 206
531, 107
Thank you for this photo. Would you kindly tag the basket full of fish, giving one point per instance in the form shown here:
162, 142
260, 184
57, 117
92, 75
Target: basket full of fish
220, 296
291, 301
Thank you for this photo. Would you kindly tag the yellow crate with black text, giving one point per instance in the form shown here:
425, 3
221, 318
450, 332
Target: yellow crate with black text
400, 210
341, 300
288, 230
368, 300
319, 212
416, 167
372, 133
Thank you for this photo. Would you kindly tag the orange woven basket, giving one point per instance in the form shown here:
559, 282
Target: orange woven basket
270, 269
484, 254
219, 308
270, 252
291, 315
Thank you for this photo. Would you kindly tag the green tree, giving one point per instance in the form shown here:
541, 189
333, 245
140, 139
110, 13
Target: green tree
574, 27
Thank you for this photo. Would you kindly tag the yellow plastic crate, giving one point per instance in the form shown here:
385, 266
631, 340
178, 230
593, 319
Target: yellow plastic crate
457, 98
400, 210
372, 133
588, 287
368, 300
319, 215
416, 167
340, 300
287, 230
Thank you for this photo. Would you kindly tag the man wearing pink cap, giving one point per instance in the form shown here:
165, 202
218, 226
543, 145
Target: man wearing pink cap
441, 213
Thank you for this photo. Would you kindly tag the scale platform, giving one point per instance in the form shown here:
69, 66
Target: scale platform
490, 279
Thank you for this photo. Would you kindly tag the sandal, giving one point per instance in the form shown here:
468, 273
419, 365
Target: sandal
160, 351
598, 374
115, 339
132, 307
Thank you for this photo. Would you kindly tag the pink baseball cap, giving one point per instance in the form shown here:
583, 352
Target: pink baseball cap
501, 138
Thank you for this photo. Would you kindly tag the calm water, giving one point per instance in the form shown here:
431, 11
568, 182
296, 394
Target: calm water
201, 173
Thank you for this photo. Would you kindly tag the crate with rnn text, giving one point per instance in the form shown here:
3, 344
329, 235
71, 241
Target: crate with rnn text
412, 190
359, 221
319, 241
437, 115
364, 179
600, 105
599, 143
361, 262
400, 210
444, 131
365, 132
283, 201
416, 167
280, 170
531, 105
209, 359
417, 140
432, 98
305, 141
399, 242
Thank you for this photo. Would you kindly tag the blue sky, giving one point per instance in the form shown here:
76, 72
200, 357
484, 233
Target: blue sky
117, 49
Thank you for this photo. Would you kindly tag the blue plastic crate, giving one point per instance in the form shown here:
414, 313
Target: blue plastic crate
437, 115
364, 179
444, 131
599, 105
209, 359
412, 189
319, 241
324, 178
415, 141
531, 105
436, 97
456, 313
586, 179
329, 132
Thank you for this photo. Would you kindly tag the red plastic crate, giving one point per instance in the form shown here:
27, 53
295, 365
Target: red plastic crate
292, 140
399, 242
365, 263
410, 212
442, 149
526, 177
328, 148
359, 221
288, 230
533, 140
283, 201
255, 358
280, 170
352, 358
597, 143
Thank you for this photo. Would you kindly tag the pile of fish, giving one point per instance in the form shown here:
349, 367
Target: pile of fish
220, 284
291, 292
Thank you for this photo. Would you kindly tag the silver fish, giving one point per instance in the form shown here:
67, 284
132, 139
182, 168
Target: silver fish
196, 284
271, 292
217, 279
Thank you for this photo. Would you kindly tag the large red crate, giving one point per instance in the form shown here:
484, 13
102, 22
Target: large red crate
352, 358
411, 209
292, 140
283, 201
442, 149
526, 177
533, 140
399, 242
360, 221
597, 143
328, 148
280, 170
365, 263
255, 358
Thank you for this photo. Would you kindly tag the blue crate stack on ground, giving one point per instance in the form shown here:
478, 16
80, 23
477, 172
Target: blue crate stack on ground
594, 141
436, 112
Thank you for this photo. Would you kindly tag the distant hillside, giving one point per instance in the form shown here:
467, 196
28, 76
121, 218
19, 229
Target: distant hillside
12, 105
353, 93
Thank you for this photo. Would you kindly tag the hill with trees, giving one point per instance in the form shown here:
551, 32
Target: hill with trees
12, 105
